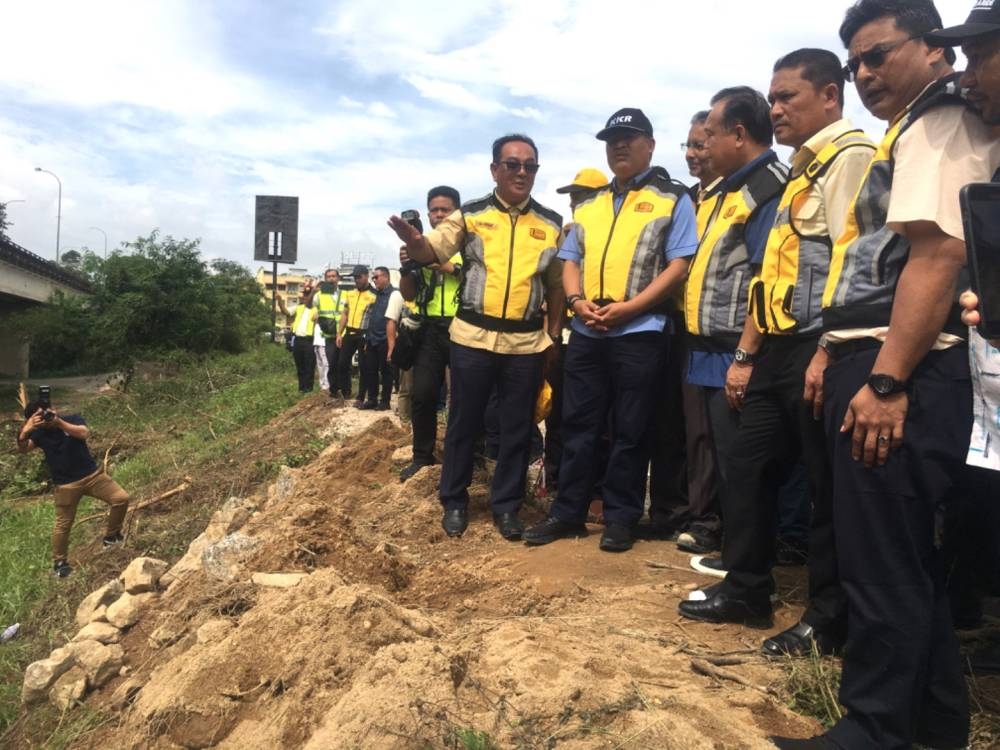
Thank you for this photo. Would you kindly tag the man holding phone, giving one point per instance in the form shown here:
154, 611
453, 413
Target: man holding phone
74, 473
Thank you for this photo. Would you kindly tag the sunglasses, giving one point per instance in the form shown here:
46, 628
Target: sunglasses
873, 58
513, 165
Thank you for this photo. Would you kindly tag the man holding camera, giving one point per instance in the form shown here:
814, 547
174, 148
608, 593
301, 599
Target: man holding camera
435, 288
74, 472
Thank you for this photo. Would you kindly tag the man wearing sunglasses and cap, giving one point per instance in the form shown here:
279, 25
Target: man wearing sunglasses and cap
500, 335
627, 252
898, 403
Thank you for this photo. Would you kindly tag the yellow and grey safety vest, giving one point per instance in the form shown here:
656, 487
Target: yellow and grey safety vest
868, 257
504, 259
623, 250
358, 304
328, 308
715, 300
438, 293
786, 296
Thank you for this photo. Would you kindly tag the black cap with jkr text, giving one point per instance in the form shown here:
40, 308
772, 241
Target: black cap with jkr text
984, 19
628, 118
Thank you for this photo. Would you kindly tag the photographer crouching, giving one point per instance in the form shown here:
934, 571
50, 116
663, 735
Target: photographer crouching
74, 473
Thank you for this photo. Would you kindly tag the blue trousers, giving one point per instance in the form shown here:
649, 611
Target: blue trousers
474, 373
601, 375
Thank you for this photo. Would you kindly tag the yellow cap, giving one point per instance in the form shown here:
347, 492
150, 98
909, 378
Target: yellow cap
587, 178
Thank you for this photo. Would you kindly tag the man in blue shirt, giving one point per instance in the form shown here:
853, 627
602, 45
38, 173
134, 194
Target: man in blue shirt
627, 252
74, 473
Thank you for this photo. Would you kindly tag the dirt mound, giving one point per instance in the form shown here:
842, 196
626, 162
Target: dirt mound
400, 637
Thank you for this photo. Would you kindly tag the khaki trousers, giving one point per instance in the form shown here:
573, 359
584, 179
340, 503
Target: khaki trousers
67, 497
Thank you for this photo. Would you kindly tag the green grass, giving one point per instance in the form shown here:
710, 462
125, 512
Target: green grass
155, 434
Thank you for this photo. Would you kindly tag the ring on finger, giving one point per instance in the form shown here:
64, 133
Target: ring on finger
883, 439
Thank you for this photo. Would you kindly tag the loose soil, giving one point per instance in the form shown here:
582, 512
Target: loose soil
403, 638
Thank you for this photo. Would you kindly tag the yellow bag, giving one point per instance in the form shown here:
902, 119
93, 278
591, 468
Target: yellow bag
543, 404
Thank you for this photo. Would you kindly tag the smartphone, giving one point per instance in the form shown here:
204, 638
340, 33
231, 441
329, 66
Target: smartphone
412, 217
44, 396
980, 202
327, 287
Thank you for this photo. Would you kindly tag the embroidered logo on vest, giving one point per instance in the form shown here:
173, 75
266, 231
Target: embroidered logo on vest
537, 234
644, 208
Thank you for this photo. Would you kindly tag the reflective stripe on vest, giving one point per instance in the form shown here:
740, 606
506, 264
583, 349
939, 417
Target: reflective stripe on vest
787, 296
869, 257
715, 299
358, 303
438, 295
623, 250
504, 260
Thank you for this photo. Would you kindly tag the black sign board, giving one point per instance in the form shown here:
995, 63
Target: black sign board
276, 232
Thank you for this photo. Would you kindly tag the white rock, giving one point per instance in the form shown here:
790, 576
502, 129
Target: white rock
69, 689
99, 662
93, 603
190, 563
223, 560
126, 610
40, 675
231, 517
142, 574
214, 631
102, 632
278, 580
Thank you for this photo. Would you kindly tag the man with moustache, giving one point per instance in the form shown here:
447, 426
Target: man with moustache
781, 333
627, 252
500, 336
897, 394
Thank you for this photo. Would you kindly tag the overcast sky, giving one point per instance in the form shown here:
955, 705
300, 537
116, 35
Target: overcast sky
175, 114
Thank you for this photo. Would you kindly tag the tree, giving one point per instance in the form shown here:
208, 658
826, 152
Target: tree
159, 296
72, 259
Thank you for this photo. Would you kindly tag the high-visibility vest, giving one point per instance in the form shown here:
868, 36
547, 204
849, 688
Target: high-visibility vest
439, 292
623, 249
358, 303
329, 307
868, 257
715, 300
787, 295
504, 261
301, 310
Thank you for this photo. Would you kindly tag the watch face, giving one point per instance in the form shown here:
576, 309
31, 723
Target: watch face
880, 384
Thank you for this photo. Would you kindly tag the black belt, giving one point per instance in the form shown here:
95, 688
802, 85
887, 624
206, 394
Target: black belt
354, 331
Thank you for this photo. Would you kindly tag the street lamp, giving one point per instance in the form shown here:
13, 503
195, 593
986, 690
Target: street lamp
58, 208
105, 240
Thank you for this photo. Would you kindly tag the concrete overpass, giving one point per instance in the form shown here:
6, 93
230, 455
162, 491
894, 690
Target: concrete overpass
27, 279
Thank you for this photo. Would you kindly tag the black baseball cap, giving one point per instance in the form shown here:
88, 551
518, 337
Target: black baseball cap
627, 118
360, 271
983, 20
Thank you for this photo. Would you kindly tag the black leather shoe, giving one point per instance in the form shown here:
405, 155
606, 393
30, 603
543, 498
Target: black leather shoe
509, 526
812, 743
551, 529
616, 538
721, 607
455, 521
368, 405
798, 640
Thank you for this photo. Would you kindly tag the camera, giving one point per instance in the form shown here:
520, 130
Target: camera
412, 217
45, 402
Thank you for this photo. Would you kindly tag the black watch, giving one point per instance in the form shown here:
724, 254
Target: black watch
886, 385
743, 357
572, 300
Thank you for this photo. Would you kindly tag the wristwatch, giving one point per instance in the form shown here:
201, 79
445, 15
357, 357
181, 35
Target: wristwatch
743, 357
572, 299
886, 385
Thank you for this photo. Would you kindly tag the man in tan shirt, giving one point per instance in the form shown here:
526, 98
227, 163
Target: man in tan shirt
501, 333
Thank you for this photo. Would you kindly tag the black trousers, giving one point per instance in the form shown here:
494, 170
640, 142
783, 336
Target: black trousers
350, 343
305, 362
776, 430
332, 355
668, 471
474, 373
902, 678
376, 370
428, 376
601, 375
553, 448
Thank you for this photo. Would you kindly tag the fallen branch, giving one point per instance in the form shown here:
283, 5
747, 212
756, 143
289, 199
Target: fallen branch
703, 667
146, 503
667, 566
107, 453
